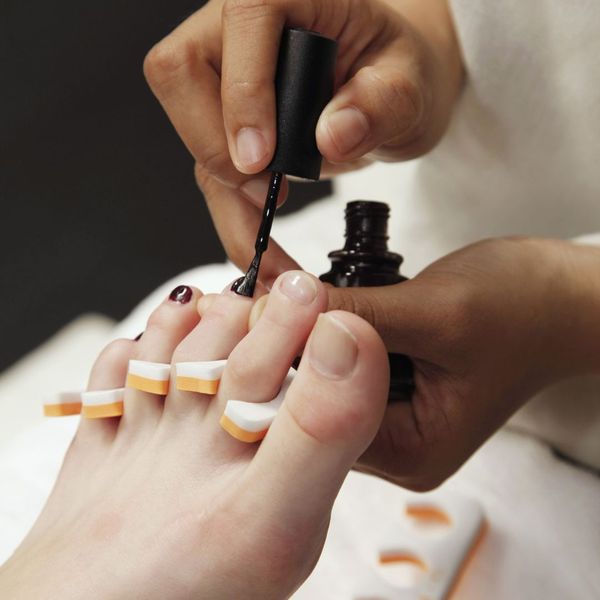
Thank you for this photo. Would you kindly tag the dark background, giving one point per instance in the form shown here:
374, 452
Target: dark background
97, 195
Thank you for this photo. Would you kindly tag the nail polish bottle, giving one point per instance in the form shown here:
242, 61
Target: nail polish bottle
365, 261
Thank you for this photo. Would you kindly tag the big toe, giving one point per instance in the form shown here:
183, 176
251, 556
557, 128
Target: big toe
330, 415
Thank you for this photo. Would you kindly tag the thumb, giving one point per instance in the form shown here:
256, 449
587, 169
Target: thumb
403, 314
381, 110
407, 316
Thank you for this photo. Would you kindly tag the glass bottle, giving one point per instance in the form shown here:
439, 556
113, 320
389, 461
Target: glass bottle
365, 261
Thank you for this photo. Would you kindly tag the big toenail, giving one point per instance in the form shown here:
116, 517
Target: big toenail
299, 287
181, 294
333, 350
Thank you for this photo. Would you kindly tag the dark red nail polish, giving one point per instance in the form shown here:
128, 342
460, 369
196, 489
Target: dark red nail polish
181, 294
138, 336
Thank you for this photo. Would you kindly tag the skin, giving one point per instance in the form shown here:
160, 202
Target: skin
162, 501
486, 328
473, 344
398, 73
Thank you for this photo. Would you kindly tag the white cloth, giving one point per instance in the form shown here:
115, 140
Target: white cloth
541, 511
519, 157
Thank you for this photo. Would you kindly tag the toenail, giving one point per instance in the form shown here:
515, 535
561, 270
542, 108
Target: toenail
181, 294
298, 286
333, 350
138, 337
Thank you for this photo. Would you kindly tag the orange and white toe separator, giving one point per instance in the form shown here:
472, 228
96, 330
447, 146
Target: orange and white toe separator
102, 403
437, 537
201, 377
63, 404
149, 377
250, 421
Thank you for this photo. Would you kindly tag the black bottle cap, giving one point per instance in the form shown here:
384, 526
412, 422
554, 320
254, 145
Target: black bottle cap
303, 86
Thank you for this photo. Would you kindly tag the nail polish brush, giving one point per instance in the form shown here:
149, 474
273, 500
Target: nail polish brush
303, 86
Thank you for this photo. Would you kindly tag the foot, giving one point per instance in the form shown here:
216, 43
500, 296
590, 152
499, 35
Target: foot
164, 502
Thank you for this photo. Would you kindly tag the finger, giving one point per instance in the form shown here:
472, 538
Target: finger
251, 36
182, 71
330, 414
237, 223
250, 46
381, 110
408, 316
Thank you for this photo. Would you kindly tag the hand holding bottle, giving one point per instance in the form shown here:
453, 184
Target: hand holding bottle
398, 74
486, 327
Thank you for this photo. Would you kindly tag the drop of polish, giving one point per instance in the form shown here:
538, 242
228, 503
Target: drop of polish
181, 294
138, 336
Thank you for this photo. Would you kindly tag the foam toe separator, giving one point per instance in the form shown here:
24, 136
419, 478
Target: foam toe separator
149, 377
200, 377
63, 405
103, 403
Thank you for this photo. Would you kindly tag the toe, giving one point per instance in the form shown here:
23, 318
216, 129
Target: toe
330, 415
223, 324
108, 373
149, 371
259, 363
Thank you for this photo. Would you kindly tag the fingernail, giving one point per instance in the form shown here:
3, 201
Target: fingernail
298, 286
256, 191
347, 128
251, 147
181, 294
138, 337
333, 350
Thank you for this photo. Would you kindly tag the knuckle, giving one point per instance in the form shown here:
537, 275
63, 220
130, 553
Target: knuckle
244, 369
245, 91
406, 97
399, 96
201, 175
213, 162
343, 300
163, 62
115, 353
366, 307
162, 319
244, 9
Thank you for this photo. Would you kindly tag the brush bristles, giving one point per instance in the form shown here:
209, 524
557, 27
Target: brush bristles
244, 286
